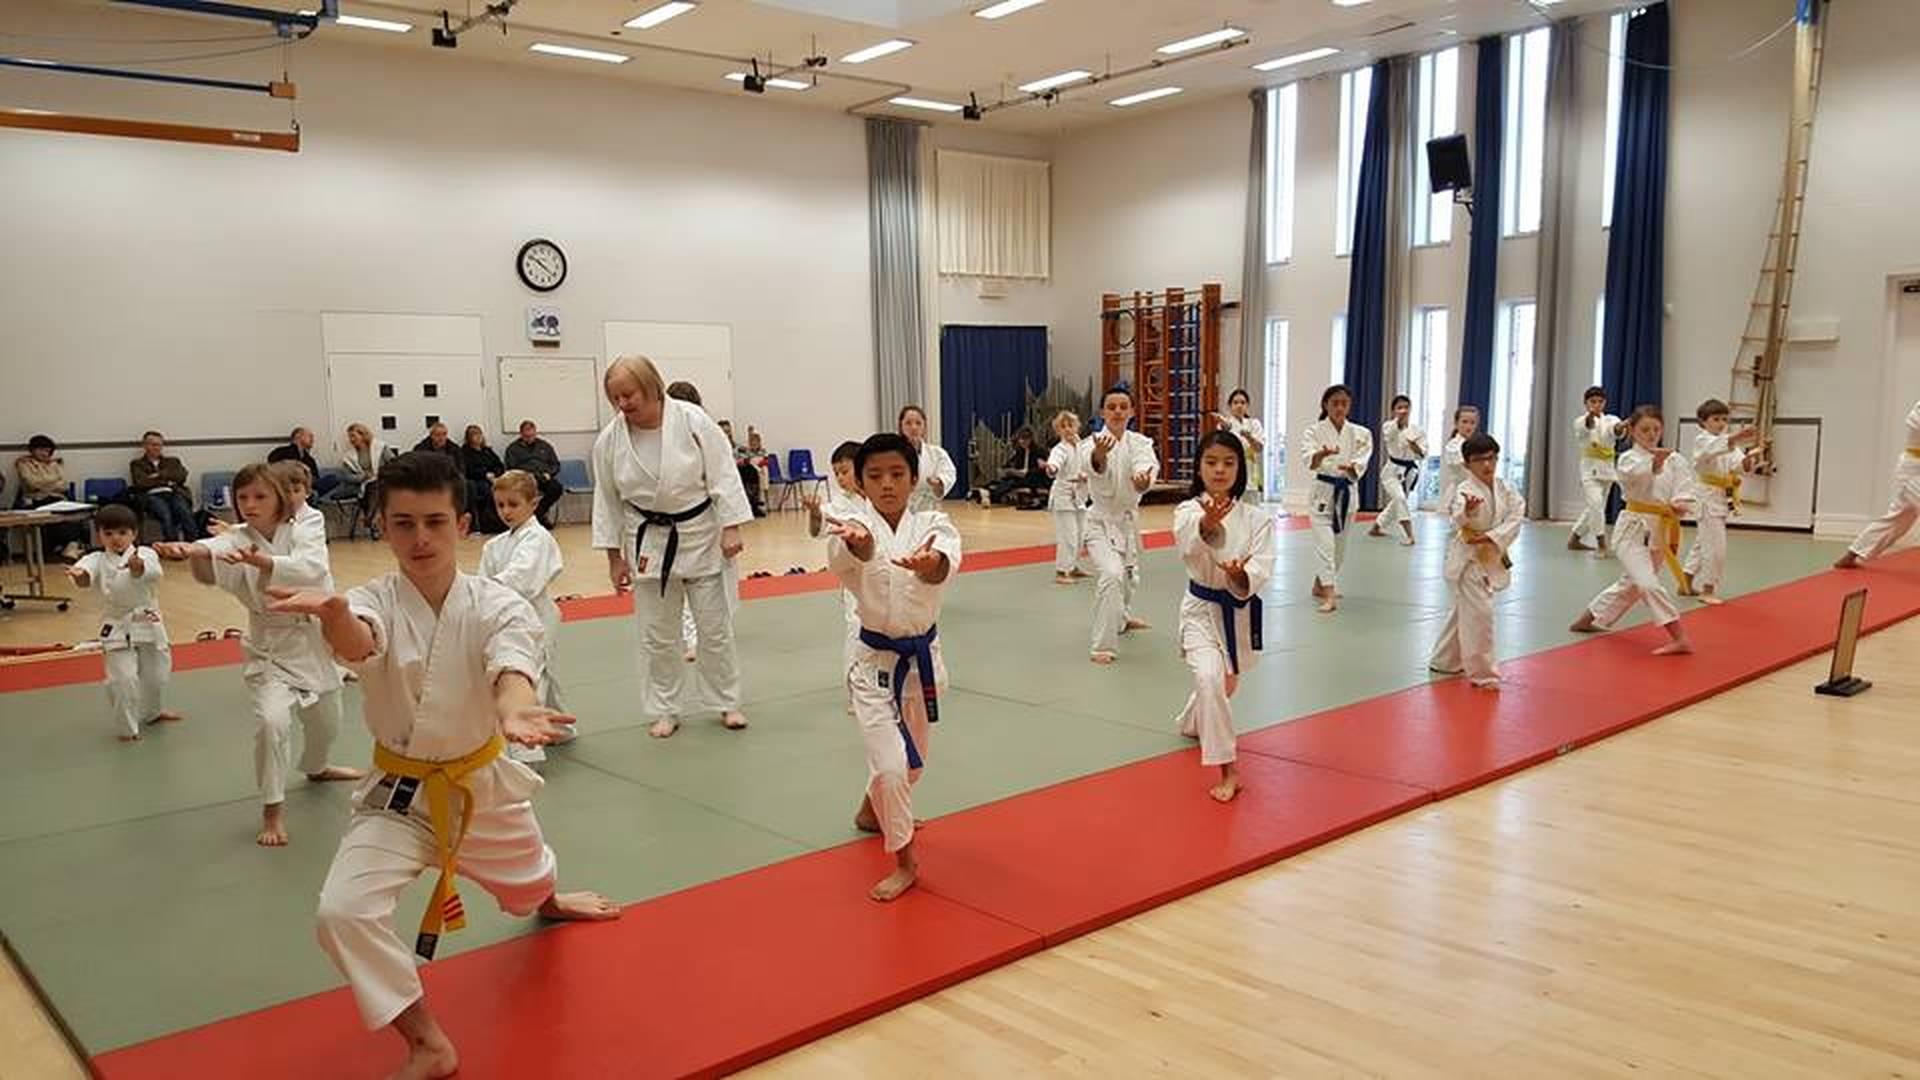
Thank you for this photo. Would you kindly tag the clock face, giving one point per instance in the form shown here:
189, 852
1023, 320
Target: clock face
542, 265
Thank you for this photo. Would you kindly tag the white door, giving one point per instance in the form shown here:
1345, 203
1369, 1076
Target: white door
1905, 377
399, 374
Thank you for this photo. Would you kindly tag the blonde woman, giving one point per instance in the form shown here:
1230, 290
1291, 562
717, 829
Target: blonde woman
361, 465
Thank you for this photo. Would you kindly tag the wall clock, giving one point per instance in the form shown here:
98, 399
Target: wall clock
542, 265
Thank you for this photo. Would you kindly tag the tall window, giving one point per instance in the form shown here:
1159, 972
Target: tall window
1426, 383
1283, 111
1512, 404
1616, 76
1356, 93
1599, 339
1437, 105
1526, 144
1273, 469
1337, 371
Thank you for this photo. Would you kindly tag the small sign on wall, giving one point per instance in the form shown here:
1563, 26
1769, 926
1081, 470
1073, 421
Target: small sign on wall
543, 325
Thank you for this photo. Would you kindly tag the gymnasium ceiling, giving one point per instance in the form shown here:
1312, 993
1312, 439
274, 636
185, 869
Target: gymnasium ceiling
954, 52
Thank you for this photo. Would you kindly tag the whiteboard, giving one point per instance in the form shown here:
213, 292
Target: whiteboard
700, 353
559, 393
1786, 499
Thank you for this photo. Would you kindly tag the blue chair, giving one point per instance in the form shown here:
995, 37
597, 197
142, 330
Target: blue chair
104, 489
800, 470
216, 490
574, 480
776, 483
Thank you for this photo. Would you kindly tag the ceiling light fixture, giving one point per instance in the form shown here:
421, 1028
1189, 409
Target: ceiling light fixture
776, 83
1052, 81
647, 20
1144, 95
925, 103
388, 25
1349, 3
578, 54
1297, 58
1201, 41
875, 52
1005, 7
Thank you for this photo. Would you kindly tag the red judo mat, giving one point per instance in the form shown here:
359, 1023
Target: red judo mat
716, 977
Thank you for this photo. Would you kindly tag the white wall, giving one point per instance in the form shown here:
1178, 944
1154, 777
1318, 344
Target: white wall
181, 286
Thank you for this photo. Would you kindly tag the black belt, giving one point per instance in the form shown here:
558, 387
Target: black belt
1409, 473
672, 524
1342, 498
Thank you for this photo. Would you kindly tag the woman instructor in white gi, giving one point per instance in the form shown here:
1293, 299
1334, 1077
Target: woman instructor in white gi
667, 510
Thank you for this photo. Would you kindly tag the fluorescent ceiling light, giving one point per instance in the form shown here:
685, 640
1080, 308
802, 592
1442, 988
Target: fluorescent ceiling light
578, 54
388, 25
1226, 33
1052, 81
1005, 7
1297, 58
647, 20
777, 84
875, 52
1144, 95
923, 103
1348, 3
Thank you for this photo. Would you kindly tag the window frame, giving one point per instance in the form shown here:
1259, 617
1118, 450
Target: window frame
1436, 106
1283, 132
1523, 146
1352, 123
1273, 473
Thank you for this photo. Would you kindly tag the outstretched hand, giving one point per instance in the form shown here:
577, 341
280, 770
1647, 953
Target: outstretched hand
1474, 502
176, 549
855, 535
314, 602
929, 565
1236, 571
1214, 508
535, 725
248, 556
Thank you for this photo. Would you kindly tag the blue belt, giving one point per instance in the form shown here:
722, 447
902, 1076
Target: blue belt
1409, 472
672, 524
1229, 604
1342, 498
907, 650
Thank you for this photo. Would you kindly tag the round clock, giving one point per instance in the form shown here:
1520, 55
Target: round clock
542, 265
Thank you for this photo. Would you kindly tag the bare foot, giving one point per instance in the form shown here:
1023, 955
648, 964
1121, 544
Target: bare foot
579, 907
1406, 541
1134, 622
128, 738
1081, 574
335, 772
894, 884
273, 830
1375, 531
1485, 684
691, 655
1226, 789
1102, 658
663, 729
1710, 598
1446, 671
1585, 624
1327, 606
429, 1061
166, 718
865, 820
734, 719
1063, 579
1676, 647
1846, 562
1574, 544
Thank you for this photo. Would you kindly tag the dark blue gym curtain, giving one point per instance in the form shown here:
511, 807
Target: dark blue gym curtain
1367, 276
986, 373
1630, 360
1483, 251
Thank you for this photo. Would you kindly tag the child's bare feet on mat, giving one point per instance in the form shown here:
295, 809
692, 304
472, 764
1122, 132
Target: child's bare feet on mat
336, 772
663, 729
1846, 562
579, 907
430, 1054
735, 720
128, 738
273, 829
1133, 623
1228, 787
1585, 624
1101, 657
1676, 647
166, 718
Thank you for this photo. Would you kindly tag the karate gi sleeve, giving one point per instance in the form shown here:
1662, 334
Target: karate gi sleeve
609, 516
944, 470
529, 569
845, 567
514, 638
946, 541
1513, 515
364, 604
1259, 554
306, 564
151, 560
1457, 509
1309, 446
729, 495
1363, 451
1186, 529
1057, 459
1153, 460
91, 564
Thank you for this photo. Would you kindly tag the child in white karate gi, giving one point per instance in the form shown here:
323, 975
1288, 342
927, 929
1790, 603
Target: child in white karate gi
448, 663
844, 503
1067, 498
1486, 514
133, 640
1336, 453
1882, 532
1122, 466
1403, 446
288, 672
937, 472
526, 559
894, 561
1647, 536
1227, 546
1595, 433
1453, 458
1718, 462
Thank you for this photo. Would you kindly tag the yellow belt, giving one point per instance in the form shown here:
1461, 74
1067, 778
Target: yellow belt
440, 778
1727, 482
1670, 541
1468, 536
1598, 452
1913, 451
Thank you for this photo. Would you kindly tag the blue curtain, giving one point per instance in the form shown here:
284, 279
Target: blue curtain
986, 373
1483, 253
1636, 245
1366, 374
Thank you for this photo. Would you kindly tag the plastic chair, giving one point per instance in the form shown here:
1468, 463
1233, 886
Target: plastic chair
574, 480
800, 471
104, 489
216, 489
775, 481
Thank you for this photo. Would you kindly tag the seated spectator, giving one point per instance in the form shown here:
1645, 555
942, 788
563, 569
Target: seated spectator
299, 447
534, 455
751, 468
1023, 470
482, 466
438, 442
43, 480
158, 484
365, 455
